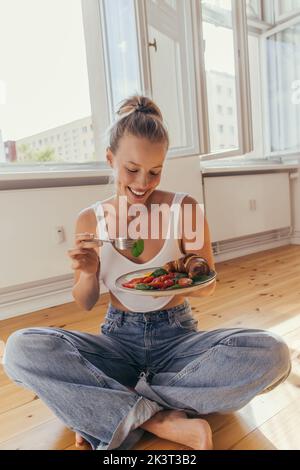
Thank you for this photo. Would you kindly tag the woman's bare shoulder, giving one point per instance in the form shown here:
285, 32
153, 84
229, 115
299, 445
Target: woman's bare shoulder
86, 221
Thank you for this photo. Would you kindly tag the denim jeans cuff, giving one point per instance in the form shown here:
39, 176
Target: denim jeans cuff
126, 435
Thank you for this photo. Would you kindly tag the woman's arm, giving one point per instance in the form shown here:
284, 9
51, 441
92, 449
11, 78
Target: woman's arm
205, 251
86, 289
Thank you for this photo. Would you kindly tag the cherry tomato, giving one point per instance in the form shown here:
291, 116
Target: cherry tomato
168, 283
136, 279
147, 279
164, 277
156, 283
160, 285
172, 274
129, 285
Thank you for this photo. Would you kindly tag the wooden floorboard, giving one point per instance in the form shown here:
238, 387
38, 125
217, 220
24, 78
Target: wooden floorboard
256, 291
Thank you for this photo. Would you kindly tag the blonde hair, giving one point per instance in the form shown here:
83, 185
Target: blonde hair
140, 117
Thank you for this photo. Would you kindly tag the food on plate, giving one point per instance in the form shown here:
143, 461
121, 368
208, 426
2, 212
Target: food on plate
191, 264
183, 272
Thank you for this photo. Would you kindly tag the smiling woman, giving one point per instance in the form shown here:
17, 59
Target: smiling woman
150, 367
137, 148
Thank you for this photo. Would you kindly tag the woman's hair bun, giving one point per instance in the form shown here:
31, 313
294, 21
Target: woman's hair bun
139, 116
141, 104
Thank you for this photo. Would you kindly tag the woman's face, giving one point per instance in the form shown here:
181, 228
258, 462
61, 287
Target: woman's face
137, 167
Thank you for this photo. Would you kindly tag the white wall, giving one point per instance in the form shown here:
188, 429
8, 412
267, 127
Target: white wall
239, 206
183, 174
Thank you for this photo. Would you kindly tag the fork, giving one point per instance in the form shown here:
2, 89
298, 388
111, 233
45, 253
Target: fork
121, 243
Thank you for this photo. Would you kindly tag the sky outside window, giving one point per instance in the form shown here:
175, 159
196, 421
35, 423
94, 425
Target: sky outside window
42, 66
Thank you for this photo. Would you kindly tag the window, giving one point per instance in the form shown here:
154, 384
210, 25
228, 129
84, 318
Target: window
43, 100
254, 9
112, 49
254, 43
286, 8
230, 111
122, 50
219, 63
224, 22
282, 55
170, 29
160, 29
165, 30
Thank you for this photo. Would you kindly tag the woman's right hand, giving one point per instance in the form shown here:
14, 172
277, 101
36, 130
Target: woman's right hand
85, 256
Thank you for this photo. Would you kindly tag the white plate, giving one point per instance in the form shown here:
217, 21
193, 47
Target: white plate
160, 293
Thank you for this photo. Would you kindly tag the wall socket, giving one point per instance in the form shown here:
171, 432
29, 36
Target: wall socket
252, 204
59, 234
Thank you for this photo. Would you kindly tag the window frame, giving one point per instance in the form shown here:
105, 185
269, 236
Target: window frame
243, 87
257, 36
260, 13
283, 17
268, 153
99, 93
104, 51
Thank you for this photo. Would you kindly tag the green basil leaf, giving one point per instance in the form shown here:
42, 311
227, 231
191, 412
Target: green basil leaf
143, 286
159, 272
201, 278
137, 248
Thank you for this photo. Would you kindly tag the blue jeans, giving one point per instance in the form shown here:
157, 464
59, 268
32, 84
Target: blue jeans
105, 386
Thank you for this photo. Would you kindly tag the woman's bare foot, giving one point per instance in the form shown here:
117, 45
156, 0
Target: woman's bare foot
81, 442
174, 425
78, 440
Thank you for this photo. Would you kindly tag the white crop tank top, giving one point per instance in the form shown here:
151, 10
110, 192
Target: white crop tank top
114, 264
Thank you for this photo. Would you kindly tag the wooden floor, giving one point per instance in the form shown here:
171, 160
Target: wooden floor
258, 291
